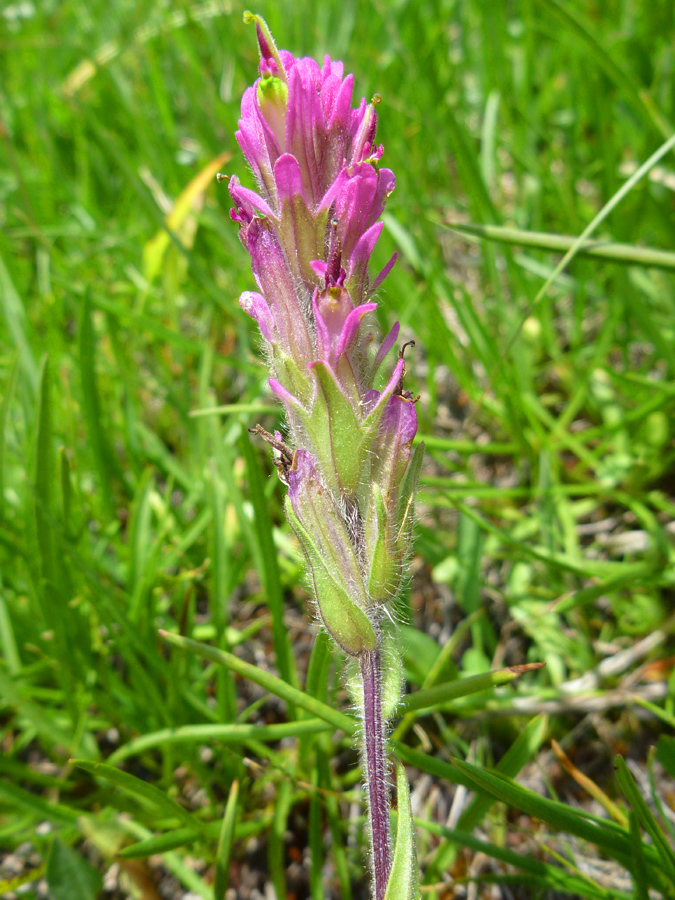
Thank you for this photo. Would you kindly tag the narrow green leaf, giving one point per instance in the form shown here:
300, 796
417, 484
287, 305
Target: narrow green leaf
316, 839
560, 560
541, 875
175, 863
17, 325
628, 254
140, 541
276, 846
403, 881
226, 734
519, 754
614, 583
605, 834
269, 682
5, 407
598, 219
665, 753
420, 654
639, 99
43, 481
70, 876
639, 869
443, 693
645, 816
163, 843
335, 821
656, 710
91, 405
66, 492
47, 724
466, 448
155, 450
488, 142
220, 553
316, 685
40, 808
225, 842
467, 584
142, 790
181, 837
269, 557
229, 409
8, 645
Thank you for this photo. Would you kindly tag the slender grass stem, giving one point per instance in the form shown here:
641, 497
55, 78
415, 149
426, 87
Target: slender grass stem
375, 771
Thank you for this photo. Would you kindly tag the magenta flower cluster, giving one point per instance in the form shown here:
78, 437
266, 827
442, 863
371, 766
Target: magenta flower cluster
310, 229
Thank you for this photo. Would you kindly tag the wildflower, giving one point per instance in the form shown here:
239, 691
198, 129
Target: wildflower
310, 229
351, 471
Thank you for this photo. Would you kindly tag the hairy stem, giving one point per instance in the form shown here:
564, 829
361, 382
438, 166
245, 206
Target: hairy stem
377, 788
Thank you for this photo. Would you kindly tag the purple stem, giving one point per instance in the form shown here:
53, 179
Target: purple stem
376, 771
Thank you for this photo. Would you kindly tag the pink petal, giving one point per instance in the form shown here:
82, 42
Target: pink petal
320, 268
399, 421
256, 307
332, 68
383, 274
385, 185
288, 179
289, 400
387, 344
351, 326
389, 389
338, 111
359, 259
303, 125
249, 200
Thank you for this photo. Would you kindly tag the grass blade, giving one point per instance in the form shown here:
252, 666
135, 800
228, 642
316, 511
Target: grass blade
226, 734
639, 870
443, 693
142, 790
403, 881
542, 875
91, 406
269, 682
611, 838
519, 754
628, 254
645, 817
17, 325
598, 219
270, 571
276, 846
225, 841
642, 104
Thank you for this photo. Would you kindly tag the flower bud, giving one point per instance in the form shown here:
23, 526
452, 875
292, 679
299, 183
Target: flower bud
272, 96
324, 538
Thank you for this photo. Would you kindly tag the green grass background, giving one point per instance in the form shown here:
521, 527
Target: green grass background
548, 413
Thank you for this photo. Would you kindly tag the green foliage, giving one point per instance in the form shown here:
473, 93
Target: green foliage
132, 498
404, 878
69, 876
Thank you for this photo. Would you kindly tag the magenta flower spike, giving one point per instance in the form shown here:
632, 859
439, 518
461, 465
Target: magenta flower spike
351, 471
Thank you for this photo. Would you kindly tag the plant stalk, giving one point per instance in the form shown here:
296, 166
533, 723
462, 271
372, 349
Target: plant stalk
375, 771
